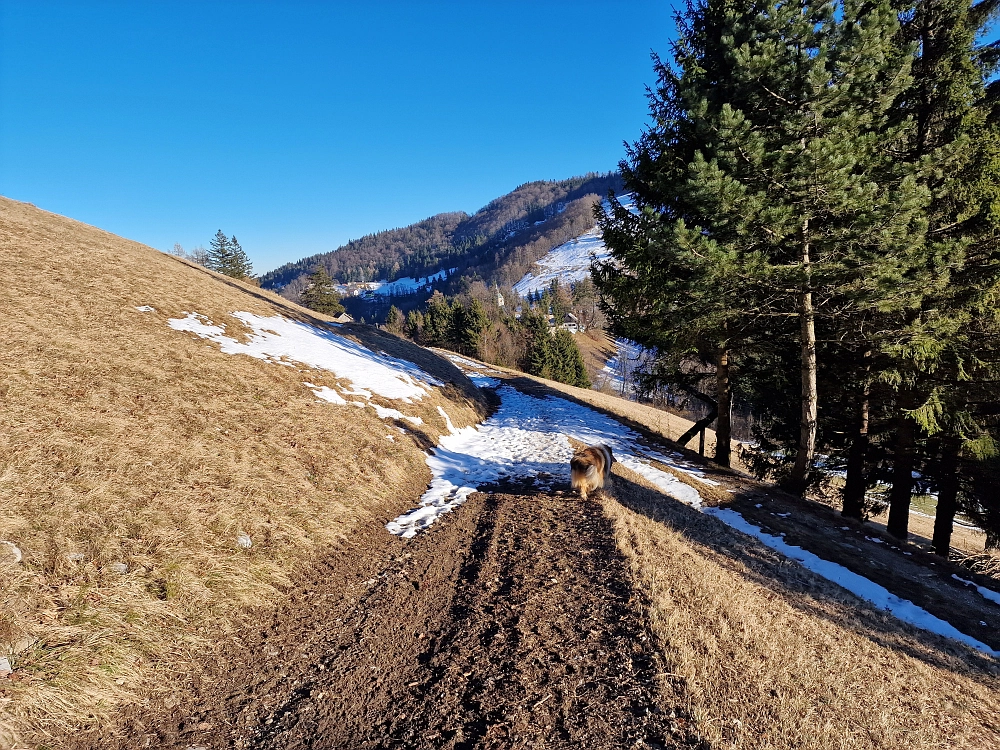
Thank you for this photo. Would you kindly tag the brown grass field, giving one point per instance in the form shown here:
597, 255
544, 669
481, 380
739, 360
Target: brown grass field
123, 442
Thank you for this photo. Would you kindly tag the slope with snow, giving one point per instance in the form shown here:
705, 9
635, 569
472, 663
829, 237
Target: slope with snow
281, 340
569, 262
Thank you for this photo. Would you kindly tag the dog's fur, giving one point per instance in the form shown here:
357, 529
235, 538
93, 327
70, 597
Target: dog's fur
590, 468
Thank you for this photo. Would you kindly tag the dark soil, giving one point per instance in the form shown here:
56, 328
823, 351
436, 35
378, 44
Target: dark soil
509, 624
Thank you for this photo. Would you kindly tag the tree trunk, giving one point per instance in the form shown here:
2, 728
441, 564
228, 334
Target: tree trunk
944, 516
799, 479
724, 426
902, 478
857, 482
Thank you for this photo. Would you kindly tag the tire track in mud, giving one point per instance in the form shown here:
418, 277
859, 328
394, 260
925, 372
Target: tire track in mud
510, 624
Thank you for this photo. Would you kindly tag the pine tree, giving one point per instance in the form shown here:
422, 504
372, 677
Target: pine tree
320, 294
239, 266
438, 322
943, 346
227, 257
470, 325
415, 325
539, 357
218, 253
758, 207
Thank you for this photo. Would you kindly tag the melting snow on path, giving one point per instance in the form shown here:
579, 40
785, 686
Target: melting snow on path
282, 340
527, 439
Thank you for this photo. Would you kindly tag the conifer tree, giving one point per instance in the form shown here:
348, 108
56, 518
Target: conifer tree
218, 252
942, 345
394, 321
239, 265
539, 356
755, 184
438, 321
415, 325
320, 294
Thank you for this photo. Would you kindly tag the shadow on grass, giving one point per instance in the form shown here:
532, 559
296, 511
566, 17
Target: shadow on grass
803, 590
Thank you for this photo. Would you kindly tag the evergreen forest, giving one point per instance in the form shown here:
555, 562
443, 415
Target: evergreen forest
816, 237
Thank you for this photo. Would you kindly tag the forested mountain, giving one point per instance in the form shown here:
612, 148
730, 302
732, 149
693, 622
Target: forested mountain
497, 243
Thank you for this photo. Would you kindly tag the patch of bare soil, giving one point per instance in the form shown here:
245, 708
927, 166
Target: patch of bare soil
510, 624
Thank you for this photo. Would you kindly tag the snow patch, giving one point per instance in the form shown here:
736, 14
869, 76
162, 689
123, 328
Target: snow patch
146, 308
569, 262
327, 394
277, 339
986, 593
409, 285
527, 440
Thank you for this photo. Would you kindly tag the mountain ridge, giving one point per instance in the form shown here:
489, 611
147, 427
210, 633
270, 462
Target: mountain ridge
497, 243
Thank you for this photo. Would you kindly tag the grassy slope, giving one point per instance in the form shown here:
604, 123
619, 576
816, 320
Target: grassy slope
123, 441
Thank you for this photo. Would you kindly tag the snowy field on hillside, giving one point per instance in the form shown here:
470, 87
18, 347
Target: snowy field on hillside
283, 341
619, 373
569, 262
409, 285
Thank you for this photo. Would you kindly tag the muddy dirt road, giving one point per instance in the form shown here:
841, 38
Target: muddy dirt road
510, 624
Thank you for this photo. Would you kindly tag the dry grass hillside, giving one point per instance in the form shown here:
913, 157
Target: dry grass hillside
133, 456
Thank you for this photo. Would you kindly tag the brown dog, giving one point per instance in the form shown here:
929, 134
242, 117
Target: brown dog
590, 468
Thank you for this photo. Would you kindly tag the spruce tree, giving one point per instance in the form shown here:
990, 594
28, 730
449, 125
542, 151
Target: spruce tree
218, 253
539, 356
239, 265
320, 294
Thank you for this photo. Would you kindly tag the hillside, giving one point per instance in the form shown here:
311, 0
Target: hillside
241, 527
497, 243
135, 455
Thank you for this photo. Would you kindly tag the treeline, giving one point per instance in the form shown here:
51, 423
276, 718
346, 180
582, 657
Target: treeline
383, 255
509, 233
476, 326
819, 225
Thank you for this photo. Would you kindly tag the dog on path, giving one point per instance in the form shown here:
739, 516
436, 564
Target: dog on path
590, 468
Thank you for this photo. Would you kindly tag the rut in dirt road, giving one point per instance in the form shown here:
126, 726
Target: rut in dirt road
510, 625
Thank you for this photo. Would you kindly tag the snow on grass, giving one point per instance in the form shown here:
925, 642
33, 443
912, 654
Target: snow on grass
620, 371
986, 593
281, 340
385, 413
527, 440
327, 394
569, 262
858, 585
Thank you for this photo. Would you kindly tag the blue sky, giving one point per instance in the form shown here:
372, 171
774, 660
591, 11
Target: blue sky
297, 126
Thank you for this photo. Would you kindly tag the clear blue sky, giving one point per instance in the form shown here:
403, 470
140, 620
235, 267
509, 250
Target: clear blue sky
297, 126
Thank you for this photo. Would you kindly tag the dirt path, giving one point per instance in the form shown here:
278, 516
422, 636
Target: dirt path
510, 624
